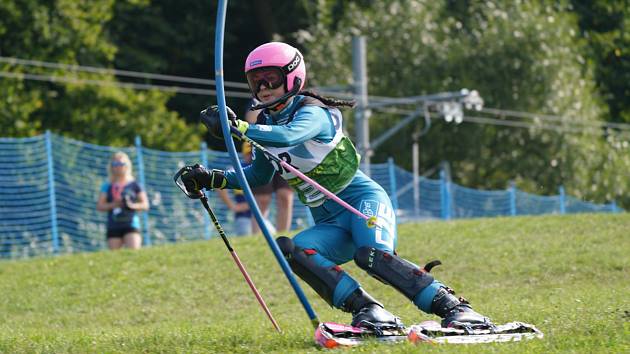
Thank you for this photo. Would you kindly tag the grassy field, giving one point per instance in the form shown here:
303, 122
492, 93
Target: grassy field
569, 275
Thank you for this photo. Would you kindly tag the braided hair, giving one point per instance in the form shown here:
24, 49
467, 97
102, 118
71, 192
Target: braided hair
329, 101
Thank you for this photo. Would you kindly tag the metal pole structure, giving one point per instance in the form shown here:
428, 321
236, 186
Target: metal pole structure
415, 157
391, 168
225, 125
463, 97
362, 113
374, 144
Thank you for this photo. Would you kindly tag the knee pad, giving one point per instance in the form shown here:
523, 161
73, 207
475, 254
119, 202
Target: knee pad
403, 275
286, 246
323, 280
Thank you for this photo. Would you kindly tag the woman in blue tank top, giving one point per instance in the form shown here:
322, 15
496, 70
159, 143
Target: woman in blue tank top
122, 197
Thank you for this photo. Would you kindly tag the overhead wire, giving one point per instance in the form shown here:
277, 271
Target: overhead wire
547, 117
128, 85
117, 72
508, 118
174, 78
574, 127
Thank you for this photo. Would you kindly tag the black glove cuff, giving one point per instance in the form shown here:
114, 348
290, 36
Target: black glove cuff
217, 179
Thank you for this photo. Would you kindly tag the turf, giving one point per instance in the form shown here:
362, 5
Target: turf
569, 275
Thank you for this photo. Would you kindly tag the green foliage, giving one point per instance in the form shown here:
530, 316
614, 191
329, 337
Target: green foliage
524, 56
567, 58
117, 116
605, 25
565, 274
162, 36
166, 37
73, 32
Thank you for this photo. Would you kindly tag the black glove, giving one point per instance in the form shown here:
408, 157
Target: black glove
212, 119
197, 177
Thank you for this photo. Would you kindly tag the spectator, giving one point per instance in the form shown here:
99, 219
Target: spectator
263, 194
121, 197
242, 214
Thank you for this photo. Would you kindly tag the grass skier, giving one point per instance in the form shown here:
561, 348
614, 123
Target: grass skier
305, 130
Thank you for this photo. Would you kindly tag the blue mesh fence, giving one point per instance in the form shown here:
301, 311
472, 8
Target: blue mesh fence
49, 186
470, 203
25, 209
532, 204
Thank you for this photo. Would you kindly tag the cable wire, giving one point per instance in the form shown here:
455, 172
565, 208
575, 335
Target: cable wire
504, 114
127, 73
128, 85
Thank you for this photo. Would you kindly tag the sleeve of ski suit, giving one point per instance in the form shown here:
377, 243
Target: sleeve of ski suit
310, 122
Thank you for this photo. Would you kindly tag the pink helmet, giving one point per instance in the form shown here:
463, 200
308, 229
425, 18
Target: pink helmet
273, 64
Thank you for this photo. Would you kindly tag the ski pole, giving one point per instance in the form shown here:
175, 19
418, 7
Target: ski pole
217, 225
371, 220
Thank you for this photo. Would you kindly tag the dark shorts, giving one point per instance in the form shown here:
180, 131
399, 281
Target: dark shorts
276, 183
120, 232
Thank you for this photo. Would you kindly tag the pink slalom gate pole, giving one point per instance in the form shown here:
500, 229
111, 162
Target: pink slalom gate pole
371, 220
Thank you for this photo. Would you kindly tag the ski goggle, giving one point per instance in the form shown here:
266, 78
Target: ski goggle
118, 164
271, 77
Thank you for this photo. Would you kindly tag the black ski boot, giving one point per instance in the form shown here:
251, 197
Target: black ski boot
369, 313
456, 312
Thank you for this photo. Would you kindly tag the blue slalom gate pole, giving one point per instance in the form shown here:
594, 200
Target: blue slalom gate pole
51, 193
225, 125
512, 194
145, 214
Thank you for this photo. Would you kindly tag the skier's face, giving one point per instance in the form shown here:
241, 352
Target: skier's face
266, 94
266, 82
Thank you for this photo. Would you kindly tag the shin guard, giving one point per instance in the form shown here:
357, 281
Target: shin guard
403, 275
323, 280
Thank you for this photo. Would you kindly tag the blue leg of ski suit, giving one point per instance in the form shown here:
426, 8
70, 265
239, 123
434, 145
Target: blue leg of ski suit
338, 233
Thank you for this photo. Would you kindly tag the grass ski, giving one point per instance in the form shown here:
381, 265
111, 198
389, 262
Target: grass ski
332, 335
432, 331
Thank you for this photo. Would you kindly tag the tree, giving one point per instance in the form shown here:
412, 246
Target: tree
605, 25
162, 36
71, 32
520, 56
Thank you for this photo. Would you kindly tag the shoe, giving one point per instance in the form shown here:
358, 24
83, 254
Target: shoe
464, 316
375, 316
369, 313
457, 312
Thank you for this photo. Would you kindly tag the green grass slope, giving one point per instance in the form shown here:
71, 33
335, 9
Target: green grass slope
569, 275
